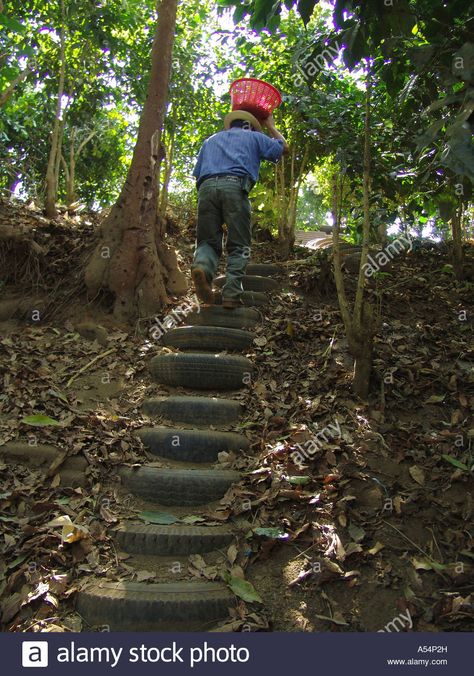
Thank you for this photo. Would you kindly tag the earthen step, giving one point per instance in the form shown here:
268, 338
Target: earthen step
43, 456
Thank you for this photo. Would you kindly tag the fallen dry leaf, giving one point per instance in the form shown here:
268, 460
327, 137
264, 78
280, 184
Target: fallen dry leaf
417, 474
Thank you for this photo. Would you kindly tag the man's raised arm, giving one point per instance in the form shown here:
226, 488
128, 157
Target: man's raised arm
269, 123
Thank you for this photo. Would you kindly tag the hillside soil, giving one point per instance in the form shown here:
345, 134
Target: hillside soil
375, 524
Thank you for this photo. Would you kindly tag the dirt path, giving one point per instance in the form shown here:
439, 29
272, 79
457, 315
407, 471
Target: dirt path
373, 531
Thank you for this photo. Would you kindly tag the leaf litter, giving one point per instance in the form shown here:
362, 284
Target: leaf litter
373, 520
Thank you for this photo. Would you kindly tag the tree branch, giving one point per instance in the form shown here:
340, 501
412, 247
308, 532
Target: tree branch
84, 143
65, 167
5, 95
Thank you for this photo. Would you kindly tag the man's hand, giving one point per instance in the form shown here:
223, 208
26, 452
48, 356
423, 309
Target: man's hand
269, 123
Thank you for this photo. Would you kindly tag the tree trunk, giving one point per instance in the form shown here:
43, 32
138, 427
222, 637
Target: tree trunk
360, 326
70, 169
131, 260
55, 150
458, 253
382, 236
281, 197
362, 350
288, 200
294, 195
282, 206
71, 179
168, 168
336, 206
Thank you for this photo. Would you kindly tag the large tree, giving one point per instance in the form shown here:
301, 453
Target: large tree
132, 259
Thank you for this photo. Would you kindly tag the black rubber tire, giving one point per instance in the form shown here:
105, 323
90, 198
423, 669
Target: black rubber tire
190, 445
252, 283
215, 315
202, 371
138, 606
344, 246
263, 269
174, 540
185, 487
254, 298
248, 298
208, 338
195, 410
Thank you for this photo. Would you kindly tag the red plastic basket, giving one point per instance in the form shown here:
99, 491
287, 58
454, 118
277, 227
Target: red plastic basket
254, 96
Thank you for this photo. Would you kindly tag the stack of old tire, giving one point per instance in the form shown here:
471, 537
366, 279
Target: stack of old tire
201, 356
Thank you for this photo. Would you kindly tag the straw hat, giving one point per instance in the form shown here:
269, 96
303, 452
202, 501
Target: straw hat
241, 115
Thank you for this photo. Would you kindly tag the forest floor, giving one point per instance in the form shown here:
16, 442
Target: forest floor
373, 533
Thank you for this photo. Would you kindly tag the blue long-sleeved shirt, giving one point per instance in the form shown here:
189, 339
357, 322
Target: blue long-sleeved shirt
236, 151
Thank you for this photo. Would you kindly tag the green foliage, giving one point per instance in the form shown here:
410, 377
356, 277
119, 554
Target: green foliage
40, 420
422, 62
106, 47
455, 463
272, 532
312, 208
196, 110
420, 53
242, 588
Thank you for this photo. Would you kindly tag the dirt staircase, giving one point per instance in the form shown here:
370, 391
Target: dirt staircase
205, 363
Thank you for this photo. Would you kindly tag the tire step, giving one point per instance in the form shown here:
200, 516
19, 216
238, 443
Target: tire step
214, 338
185, 487
251, 283
264, 269
249, 298
137, 606
202, 371
215, 315
191, 445
174, 540
195, 410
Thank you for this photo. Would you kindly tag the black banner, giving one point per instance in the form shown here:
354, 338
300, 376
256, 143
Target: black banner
332, 653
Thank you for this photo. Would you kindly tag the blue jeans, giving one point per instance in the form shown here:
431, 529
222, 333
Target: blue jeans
222, 200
